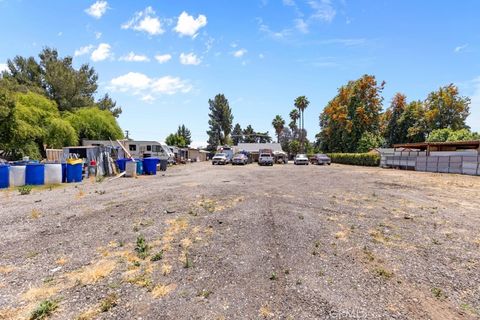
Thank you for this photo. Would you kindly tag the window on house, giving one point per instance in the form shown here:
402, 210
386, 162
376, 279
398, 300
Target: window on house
132, 147
149, 148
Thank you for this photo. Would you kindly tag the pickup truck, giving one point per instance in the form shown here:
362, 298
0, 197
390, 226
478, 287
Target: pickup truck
265, 159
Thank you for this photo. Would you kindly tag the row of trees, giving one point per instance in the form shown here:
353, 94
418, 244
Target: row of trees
51, 104
221, 132
353, 120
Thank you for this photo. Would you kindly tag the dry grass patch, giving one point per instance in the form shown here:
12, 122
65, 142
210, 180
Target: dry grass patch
166, 269
35, 214
378, 236
162, 290
61, 261
93, 273
40, 293
6, 269
265, 312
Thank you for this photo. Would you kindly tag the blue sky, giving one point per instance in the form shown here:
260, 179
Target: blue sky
162, 60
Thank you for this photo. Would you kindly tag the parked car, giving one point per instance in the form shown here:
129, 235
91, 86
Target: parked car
220, 158
265, 159
320, 158
239, 158
301, 159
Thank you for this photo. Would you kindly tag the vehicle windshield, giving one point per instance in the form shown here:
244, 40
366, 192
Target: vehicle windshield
301, 155
239, 155
220, 155
265, 155
322, 155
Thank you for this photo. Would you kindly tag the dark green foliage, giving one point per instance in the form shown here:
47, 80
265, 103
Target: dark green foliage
44, 310
185, 134
237, 135
158, 256
220, 123
142, 247
278, 124
106, 103
249, 134
357, 159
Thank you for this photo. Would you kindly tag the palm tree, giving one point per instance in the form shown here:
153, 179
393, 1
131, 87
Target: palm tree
278, 124
294, 115
301, 103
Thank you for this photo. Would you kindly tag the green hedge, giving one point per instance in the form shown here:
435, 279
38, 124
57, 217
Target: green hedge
357, 159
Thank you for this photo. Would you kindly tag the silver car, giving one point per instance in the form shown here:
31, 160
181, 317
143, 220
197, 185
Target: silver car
239, 158
220, 158
301, 159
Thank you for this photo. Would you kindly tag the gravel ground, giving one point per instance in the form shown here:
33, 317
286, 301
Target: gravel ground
282, 242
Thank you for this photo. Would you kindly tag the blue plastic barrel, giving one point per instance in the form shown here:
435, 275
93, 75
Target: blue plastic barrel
64, 172
4, 176
139, 166
74, 172
150, 165
121, 163
35, 174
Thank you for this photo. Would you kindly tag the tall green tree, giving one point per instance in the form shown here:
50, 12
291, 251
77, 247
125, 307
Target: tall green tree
220, 123
106, 103
301, 103
249, 135
294, 116
352, 112
237, 134
57, 79
394, 132
185, 133
445, 108
413, 122
278, 124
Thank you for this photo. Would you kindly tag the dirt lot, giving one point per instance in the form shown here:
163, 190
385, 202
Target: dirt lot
282, 242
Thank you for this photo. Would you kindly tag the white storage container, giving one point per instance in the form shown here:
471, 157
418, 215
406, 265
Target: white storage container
53, 173
17, 176
130, 169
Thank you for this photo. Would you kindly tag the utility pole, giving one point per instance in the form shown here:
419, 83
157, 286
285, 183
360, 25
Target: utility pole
126, 134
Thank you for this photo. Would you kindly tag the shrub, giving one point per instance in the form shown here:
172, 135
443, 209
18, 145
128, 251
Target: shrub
24, 190
357, 159
45, 309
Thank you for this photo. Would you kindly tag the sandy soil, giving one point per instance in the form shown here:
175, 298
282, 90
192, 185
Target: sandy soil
223, 242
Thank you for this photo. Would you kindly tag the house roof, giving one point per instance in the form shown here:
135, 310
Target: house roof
472, 144
255, 147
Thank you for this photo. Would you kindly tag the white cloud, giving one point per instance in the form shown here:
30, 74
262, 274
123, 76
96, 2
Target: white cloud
187, 25
460, 48
261, 56
289, 2
278, 35
162, 58
322, 10
239, 53
145, 21
301, 25
189, 59
133, 57
98, 9
3, 67
98, 35
60, 34
148, 88
101, 53
83, 50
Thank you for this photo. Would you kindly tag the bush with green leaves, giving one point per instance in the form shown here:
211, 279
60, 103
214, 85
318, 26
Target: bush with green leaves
357, 159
